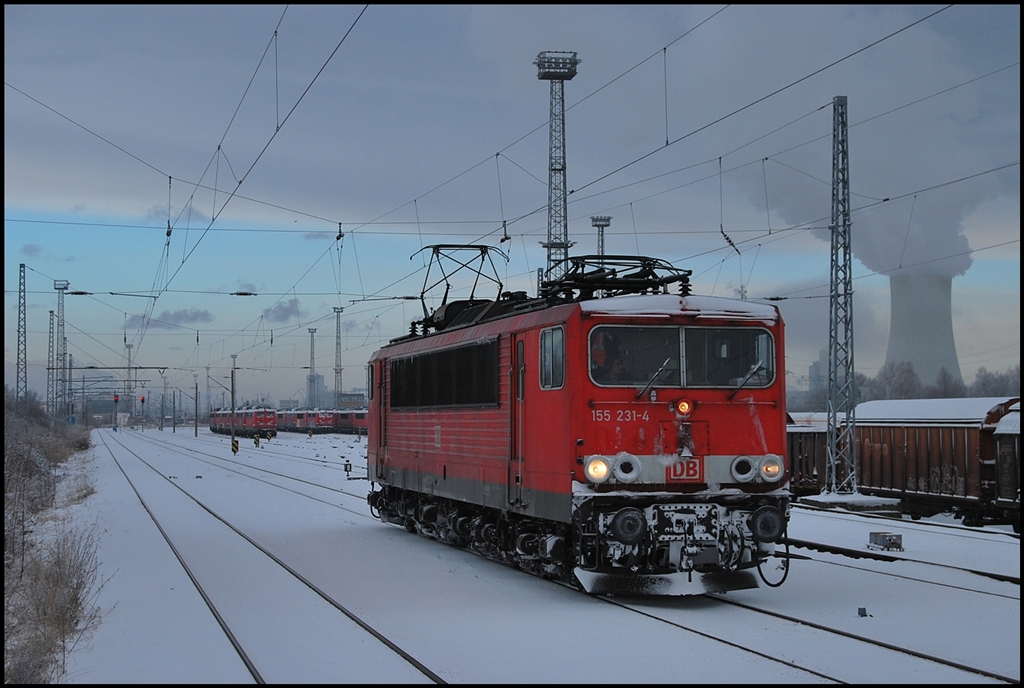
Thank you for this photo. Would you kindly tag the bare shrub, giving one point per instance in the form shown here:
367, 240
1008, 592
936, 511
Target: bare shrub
53, 606
49, 566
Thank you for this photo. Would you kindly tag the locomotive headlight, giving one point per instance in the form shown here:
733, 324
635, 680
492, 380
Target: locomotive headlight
771, 469
744, 469
597, 469
684, 407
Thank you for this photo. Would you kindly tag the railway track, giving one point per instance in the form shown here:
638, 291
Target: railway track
882, 556
869, 641
225, 463
669, 612
231, 633
966, 531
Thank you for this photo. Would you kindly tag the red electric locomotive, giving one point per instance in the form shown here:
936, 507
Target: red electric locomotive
248, 422
350, 422
607, 433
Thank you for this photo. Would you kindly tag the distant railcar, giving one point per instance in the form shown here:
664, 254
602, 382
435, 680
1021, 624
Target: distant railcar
1007, 438
934, 455
351, 421
247, 422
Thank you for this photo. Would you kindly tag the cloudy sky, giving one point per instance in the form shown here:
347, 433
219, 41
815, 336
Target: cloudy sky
255, 132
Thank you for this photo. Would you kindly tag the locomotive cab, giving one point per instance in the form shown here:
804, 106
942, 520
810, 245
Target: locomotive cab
681, 449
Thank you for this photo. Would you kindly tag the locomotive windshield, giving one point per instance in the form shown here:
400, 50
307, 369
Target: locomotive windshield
714, 356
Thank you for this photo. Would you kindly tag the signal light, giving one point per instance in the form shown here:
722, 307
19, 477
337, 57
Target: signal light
684, 407
115, 398
142, 400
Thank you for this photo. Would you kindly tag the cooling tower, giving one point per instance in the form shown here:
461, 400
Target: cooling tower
921, 325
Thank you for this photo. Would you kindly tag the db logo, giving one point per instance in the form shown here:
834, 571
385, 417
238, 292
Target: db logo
685, 471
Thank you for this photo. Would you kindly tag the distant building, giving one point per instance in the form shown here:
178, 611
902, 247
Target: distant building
288, 404
351, 400
817, 374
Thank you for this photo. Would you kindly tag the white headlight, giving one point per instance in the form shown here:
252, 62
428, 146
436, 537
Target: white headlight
771, 469
597, 469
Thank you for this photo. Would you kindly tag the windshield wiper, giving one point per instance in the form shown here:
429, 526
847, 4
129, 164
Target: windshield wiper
648, 386
753, 371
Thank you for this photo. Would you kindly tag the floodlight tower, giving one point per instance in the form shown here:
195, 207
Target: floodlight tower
557, 67
841, 467
311, 380
600, 221
337, 358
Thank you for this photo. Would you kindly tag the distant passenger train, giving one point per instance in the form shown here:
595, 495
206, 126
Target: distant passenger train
265, 422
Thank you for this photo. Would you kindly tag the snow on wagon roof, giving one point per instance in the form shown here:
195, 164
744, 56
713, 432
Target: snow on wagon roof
971, 409
1010, 423
670, 304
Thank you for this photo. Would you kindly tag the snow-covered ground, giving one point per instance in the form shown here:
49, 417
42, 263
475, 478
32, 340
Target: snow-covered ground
471, 620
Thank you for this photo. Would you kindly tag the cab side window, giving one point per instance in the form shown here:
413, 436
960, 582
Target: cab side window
552, 358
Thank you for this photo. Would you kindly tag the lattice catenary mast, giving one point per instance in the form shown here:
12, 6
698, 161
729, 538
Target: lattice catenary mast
311, 381
51, 369
841, 468
337, 357
557, 67
60, 386
21, 387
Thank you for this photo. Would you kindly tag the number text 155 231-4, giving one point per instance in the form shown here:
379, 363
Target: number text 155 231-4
618, 415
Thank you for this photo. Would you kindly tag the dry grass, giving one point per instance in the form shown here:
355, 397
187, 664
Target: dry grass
50, 566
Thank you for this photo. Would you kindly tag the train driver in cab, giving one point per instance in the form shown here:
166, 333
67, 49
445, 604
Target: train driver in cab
606, 364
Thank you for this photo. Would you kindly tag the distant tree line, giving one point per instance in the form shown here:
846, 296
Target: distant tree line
900, 381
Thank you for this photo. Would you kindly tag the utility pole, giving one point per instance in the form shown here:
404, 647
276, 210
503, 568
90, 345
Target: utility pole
841, 468
129, 387
195, 376
70, 410
233, 357
557, 67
